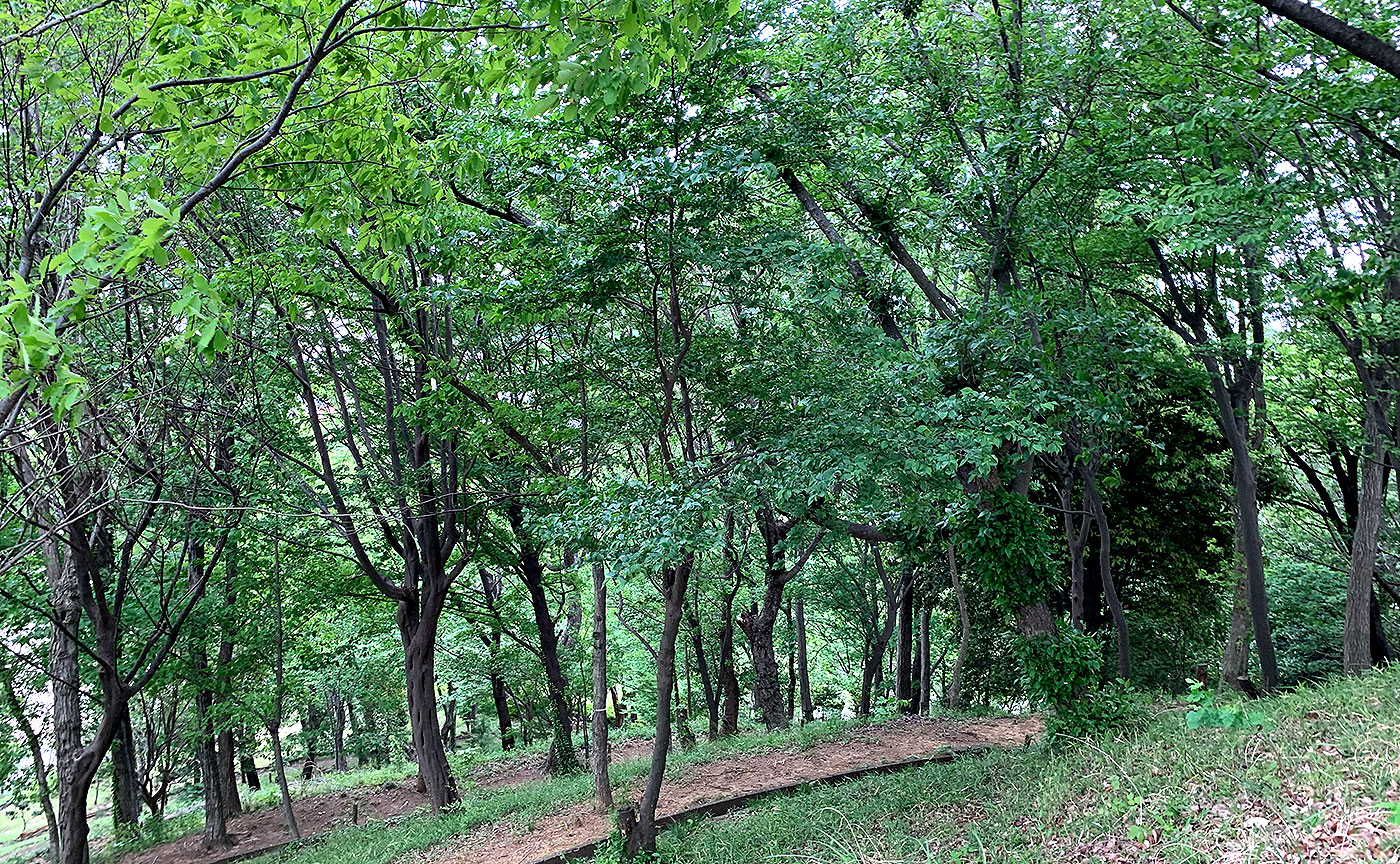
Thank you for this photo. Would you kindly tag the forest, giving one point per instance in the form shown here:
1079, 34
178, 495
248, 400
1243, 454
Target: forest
397, 385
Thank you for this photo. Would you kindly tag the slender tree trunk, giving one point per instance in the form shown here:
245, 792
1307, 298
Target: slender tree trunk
925, 664
904, 649
707, 683
728, 676
1246, 484
228, 777
20, 716
67, 698
1096, 507
965, 625
1075, 538
602, 784
1356, 626
803, 673
791, 703
491, 590
643, 836
1380, 646
871, 657
279, 770
337, 711
565, 761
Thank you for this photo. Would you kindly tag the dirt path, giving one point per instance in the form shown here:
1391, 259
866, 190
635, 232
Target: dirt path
262, 829
907, 738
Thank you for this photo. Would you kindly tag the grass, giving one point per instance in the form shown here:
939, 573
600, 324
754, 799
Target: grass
1319, 786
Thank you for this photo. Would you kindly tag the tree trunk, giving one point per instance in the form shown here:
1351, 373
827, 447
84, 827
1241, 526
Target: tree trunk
728, 677
67, 699
418, 632
1356, 625
768, 691
279, 770
602, 784
36, 755
337, 710
126, 785
1246, 484
803, 673
249, 769
449, 718
1380, 646
1096, 507
491, 589
228, 776
791, 703
1235, 663
674, 580
965, 624
1075, 539
707, 683
216, 836
904, 649
565, 761
925, 662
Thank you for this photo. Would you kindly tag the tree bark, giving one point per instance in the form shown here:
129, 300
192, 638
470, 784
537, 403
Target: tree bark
965, 624
1353, 40
36, 754
1356, 625
1094, 501
491, 590
1235, 663
565, 760
216, 836
602, 784
126, 785
67, 698
702, 665
418, 624
925, 661
674, 581
803, 672
1251, 543
904, 649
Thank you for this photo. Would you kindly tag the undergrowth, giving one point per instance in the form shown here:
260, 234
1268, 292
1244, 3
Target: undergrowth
1314, 775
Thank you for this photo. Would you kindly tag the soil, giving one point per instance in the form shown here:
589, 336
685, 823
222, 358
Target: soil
505, 843
906, 738
316, 814
523, 769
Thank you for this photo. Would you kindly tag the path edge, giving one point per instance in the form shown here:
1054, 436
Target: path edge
586, 851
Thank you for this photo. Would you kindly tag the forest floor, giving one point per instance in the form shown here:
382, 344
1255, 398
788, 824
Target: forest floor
511, 813
508, 841
1315, 781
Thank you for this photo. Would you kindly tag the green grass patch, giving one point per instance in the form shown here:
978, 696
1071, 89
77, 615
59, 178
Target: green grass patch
1161, 793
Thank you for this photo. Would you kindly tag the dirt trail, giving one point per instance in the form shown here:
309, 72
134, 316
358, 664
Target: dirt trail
906, 738
262, 829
